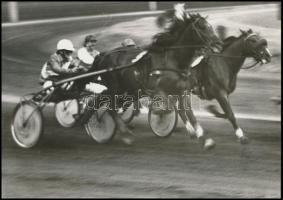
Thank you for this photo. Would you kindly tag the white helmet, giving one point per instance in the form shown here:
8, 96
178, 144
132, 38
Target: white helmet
65, 44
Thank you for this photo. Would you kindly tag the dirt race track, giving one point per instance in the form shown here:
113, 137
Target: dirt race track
67, 163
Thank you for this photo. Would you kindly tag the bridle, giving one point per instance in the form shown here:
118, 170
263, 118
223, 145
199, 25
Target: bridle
246, 46
253, 51
200, 34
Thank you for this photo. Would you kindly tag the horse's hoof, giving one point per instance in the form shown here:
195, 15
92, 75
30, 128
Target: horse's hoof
137, 113
244, 140
128, 137
201, 140
193, 135
131, 126
127, 140
209, 144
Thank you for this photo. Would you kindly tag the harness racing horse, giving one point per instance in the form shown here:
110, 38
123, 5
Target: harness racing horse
163, 69
217, 75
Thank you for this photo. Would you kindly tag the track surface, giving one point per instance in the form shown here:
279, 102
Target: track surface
67, 163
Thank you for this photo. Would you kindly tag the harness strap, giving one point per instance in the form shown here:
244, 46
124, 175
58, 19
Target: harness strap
249, 67
219, 55
159, 71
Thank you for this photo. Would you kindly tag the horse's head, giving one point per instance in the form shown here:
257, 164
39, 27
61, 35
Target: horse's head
188, 29
201, 32
256, 46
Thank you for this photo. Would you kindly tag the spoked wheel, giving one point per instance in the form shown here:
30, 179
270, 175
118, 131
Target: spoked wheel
162, 123
128, 114
101, 126
65, 112
27, 124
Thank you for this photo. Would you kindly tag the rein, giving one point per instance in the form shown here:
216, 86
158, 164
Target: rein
245, 39
249, 67
183, 46
219, 55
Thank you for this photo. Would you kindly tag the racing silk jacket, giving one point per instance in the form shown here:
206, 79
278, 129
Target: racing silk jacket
55, 66
86, 58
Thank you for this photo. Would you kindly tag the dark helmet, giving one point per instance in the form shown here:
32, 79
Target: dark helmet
128, 42
89, 38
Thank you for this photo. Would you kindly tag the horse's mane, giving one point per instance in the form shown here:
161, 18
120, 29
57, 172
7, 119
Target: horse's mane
176, 27
228, 41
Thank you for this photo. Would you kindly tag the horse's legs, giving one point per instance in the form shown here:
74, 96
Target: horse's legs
193, 125
185, 119
192, 119
223, 100
126, 133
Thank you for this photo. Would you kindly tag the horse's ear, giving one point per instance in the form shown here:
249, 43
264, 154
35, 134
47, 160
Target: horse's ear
242, 31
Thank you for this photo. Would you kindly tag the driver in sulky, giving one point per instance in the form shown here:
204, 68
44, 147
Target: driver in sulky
86, 56
59, 65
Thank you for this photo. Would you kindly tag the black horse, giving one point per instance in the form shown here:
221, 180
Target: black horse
164, 67
216, 76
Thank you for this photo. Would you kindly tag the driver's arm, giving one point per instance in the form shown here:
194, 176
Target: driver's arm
56, 67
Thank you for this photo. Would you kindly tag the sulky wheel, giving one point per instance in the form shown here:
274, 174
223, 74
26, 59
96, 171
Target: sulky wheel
27, 124
162, 123
65, 112
101, 126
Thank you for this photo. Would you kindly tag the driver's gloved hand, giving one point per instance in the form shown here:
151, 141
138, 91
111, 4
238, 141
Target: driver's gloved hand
75, 70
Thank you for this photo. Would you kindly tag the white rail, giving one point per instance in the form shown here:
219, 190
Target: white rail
145, 13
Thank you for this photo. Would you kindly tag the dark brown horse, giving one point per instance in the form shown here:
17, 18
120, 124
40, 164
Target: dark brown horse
169, 55
217, 75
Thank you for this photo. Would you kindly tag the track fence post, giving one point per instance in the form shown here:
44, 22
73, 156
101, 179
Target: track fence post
13, 11
279, 11
152, 5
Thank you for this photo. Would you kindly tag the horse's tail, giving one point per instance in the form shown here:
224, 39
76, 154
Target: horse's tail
213, 110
